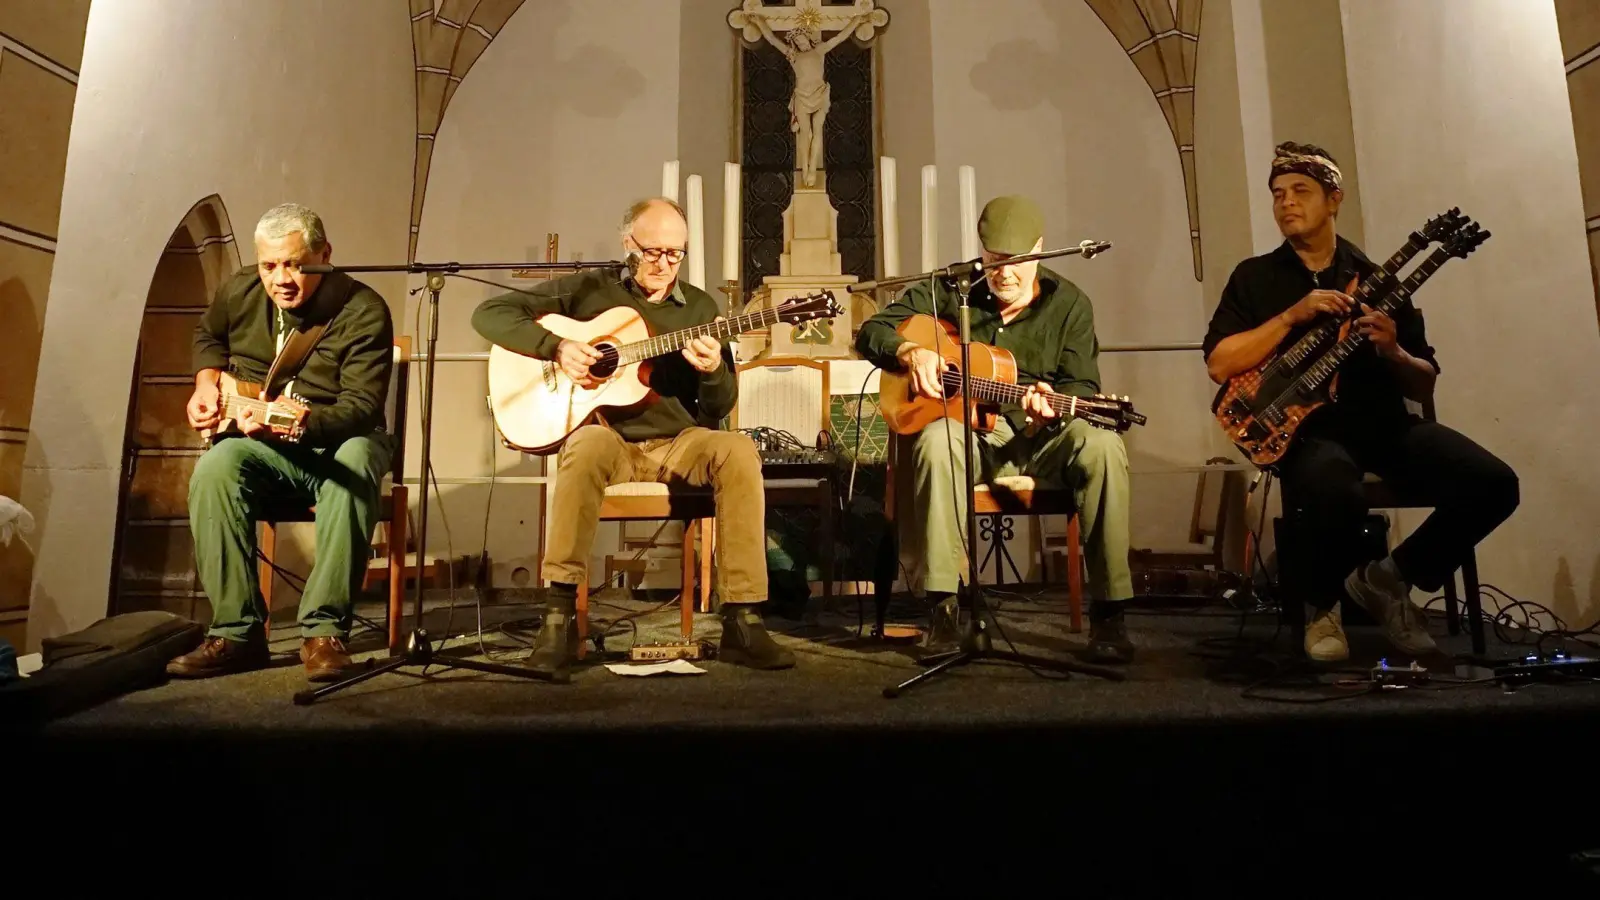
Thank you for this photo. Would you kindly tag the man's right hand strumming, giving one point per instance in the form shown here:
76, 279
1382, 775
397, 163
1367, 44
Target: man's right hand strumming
1336, 303
205, 407
926, 369
575, 358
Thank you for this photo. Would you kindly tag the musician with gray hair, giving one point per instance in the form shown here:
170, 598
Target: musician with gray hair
332, 459
1272, 301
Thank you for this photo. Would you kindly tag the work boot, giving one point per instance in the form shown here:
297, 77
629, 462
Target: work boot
1108, 634
944, 626
556, 645
325, 658
745, 641
221, 656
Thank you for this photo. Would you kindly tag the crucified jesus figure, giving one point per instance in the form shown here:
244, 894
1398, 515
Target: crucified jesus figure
808, 107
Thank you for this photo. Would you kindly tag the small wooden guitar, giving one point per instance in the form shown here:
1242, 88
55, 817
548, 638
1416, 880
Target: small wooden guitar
993, 379
284, 416
1263, 409
536, 406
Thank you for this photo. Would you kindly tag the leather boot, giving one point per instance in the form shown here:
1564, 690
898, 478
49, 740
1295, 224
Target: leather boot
325, 658
1108, 634
220, 656
556, 645
745, 641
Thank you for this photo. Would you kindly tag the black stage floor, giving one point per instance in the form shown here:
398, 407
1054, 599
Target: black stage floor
1185, 759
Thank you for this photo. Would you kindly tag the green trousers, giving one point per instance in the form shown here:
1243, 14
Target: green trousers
1092, 462
239, 479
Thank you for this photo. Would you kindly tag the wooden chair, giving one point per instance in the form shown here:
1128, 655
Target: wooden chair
637, 501
1214, 500
792, 394
392, 511
1011, 496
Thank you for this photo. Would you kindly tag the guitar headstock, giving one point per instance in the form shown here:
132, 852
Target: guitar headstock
819, 305
1466, 240
286, 417
1443, 225
1111, 412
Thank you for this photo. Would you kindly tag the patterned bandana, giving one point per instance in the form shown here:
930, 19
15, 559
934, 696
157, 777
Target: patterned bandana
1318, 168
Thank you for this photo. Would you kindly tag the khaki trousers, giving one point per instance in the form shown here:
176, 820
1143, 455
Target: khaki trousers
726, 461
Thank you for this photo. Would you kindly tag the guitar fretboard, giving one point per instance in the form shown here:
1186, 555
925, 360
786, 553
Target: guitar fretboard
1318, 336
1330, 362
673, 341
1005, 392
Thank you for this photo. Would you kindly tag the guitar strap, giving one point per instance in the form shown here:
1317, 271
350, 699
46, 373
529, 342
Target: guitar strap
296, 348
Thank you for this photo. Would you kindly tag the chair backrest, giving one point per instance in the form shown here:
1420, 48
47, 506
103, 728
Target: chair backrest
786, 393
394, 406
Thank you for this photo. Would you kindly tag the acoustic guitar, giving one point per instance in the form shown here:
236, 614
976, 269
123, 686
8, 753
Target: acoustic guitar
284, 416
536, 406
993, 380
1263, 409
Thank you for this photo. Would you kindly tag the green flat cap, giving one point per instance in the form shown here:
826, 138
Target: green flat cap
1011, 225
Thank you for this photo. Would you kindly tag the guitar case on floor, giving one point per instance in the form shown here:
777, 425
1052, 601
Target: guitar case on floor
114, 656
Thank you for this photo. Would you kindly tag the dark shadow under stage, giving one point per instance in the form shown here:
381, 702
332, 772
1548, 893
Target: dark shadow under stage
1179, 756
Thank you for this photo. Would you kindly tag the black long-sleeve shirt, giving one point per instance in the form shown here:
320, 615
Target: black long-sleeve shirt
345, 379
687, 398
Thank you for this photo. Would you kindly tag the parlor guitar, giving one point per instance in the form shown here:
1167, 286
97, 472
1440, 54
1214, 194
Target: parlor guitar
284, 416
1262, 409
536, 406
993, 379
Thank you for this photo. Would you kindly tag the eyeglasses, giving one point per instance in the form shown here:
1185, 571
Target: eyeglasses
656, 254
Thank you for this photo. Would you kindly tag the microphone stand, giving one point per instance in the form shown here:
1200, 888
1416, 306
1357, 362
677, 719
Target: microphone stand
419, 647
975, 641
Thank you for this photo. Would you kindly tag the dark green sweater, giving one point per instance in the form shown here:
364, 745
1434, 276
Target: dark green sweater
688, 398
1053, 339
346, 377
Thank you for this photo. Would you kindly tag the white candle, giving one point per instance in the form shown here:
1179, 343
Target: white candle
730, 222
930, 218
669, 180
697, 234
891, 216
968, 181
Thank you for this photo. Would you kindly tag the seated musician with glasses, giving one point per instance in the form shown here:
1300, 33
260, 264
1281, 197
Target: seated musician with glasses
675, 439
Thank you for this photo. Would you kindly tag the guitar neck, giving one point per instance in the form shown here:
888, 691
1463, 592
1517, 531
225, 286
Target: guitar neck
673, 341
236, 403
1338, 353
1371, 285
1005, 392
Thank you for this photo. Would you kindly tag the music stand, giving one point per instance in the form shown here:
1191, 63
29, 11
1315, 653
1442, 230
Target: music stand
975, 642
419, 647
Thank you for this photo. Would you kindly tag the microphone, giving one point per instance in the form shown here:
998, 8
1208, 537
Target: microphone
317, 269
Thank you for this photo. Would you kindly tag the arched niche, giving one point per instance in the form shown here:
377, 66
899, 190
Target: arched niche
154, 556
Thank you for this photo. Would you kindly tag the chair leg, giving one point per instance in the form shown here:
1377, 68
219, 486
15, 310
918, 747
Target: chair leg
397, 564
266, 574
1474, 598
581, 614
1452, 607
686, 594
827, 546
708, 559
1075, 574
883, 576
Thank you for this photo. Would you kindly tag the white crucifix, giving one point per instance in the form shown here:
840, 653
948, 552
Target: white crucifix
801, 27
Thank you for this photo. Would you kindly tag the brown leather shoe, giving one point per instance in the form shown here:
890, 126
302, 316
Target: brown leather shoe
325, 658
220, 656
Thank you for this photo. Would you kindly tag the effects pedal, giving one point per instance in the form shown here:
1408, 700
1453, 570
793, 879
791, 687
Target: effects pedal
1398, 676
1556, 666
666, 652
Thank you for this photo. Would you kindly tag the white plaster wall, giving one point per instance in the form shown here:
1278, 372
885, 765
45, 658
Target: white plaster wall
563, 122
1470, 109
306, 100
1041, 100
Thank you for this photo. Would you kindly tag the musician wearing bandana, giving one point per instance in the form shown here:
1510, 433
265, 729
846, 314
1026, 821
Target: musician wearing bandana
1269, 302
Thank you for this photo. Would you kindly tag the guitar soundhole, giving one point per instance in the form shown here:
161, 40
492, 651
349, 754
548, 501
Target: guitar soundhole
951, 380
607, 364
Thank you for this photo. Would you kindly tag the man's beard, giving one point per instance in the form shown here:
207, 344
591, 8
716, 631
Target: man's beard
1009, 294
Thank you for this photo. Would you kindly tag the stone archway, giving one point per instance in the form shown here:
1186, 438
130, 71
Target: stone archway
154, 557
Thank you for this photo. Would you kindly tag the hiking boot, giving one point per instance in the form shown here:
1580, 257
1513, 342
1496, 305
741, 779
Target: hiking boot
556, 645
745, 641
944, 627
1108, 634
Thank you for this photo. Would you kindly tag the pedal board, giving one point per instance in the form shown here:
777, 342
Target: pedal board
1557, 666
666, 652
1398, 676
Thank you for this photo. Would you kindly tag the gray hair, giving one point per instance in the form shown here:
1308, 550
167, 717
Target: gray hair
639, 209
286, 219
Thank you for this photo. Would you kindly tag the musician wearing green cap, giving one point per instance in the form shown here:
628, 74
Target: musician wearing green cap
1047, 323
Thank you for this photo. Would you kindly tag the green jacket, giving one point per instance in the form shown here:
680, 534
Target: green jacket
688, 398
346, 377
1053, 339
